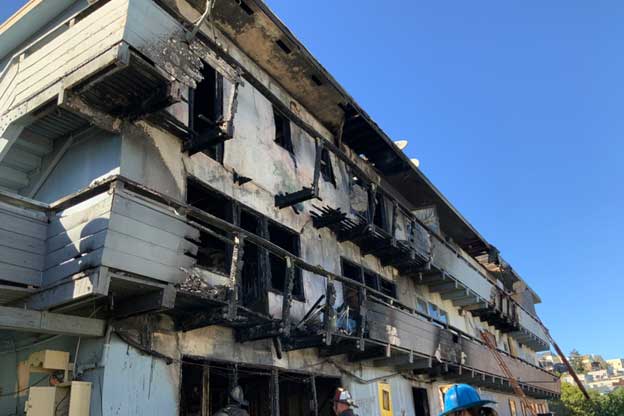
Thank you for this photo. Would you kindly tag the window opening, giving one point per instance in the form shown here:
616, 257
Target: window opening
387, 287
351, 270
443, 316
289, 241
327, 171
421, 305
282, 131
386, 400
250, 281
380, 216
371, 280
207, 111
433, 311
212, 254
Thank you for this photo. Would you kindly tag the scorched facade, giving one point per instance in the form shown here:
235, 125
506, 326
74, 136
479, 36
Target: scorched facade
188, 200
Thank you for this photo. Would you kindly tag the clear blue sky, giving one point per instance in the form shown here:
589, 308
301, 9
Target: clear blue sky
515, 110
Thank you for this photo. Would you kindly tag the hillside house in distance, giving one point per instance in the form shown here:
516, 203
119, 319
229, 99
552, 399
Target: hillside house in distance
188, 200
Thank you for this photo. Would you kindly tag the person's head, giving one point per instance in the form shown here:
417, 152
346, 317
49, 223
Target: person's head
342, 401
464, 400
237, 396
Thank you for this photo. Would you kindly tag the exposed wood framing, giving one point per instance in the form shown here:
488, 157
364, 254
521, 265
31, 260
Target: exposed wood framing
17, 319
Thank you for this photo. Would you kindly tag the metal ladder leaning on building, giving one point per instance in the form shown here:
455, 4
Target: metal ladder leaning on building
527, 409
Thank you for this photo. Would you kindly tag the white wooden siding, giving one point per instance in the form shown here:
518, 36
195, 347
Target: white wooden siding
22, 236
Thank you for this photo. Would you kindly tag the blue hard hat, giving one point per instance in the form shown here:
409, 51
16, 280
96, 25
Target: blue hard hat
460, 397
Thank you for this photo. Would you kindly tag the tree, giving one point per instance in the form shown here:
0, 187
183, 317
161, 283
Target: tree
573, 403
576, 361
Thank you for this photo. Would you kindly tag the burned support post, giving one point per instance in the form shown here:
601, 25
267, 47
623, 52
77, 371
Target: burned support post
330, 312
363, 311
205, 390
395, 211
314, 395
372, 203
235, 273
275, 408
289, 282
317, 166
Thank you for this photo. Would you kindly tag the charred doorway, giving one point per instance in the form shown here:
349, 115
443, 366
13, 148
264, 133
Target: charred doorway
206, 384
421, 401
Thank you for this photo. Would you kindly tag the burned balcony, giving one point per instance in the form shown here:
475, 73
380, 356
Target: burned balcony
131, 87
383, 230
373, 327
106, 240
501, 312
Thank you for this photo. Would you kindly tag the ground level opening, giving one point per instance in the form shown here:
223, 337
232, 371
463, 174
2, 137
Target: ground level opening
269, 391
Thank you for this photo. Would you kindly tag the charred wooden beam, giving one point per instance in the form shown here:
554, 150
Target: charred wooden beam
342, 347
275, 395
289, 281
235, 276
371, 353
307, 193
326, 217
330, 312
259, 331
156, 301
363, 314
293, 198
197, 142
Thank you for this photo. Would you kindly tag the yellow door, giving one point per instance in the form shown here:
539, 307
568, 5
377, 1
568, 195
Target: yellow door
385, 399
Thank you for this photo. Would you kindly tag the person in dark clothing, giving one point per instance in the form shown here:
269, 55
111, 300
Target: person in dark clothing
343, 403
238, 405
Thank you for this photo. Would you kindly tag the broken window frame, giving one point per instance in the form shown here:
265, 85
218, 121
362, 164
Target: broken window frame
283, 131
369, 278
327, 170
298, 291
264, 272
211, 380
216, 90
229, 215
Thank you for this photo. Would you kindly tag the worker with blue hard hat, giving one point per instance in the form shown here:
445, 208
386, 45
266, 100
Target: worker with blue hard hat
464, 400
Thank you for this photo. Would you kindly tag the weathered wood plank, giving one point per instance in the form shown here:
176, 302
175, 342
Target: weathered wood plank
128, 262
65, 53
83, 230
149, 233
152, 213
75, 249
34, 214
79, 288
22, 225
78, 214
20, 275
13, 293
77, 265
66, 42
145, 250
22, 242
17, 257
18, 319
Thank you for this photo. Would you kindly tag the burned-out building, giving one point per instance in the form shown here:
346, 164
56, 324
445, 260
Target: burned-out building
188, 201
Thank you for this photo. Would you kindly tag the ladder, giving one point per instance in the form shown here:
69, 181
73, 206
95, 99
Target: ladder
527, 408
